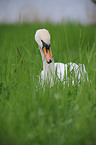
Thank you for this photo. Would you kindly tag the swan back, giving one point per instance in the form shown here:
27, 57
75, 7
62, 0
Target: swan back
69, 73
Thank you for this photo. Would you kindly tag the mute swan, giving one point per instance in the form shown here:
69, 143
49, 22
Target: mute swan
50, 69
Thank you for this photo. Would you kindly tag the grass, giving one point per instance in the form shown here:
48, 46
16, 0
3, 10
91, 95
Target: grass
55, 116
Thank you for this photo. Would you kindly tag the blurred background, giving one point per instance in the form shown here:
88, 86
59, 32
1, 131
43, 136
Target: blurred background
82, 11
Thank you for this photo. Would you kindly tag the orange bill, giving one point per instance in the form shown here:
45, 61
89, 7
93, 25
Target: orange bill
48, 55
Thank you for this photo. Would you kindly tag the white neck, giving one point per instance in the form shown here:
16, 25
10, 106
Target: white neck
47, 68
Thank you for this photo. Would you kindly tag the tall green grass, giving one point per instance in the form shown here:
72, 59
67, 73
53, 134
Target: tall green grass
31, 116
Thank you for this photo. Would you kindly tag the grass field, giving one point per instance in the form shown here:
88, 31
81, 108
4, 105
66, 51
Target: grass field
55, 116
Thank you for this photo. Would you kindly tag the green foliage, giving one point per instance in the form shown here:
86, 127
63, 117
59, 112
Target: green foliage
58, 115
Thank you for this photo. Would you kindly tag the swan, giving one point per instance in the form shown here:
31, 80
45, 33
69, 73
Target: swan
57, 71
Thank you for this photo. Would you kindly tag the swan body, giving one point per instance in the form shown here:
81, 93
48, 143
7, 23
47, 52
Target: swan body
61, 73
57, 71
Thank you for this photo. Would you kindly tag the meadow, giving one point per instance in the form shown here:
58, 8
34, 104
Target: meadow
56, 116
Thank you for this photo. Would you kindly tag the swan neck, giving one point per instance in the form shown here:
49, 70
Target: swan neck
48, 67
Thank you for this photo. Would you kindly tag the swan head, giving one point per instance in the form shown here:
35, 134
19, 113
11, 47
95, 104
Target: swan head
42, 37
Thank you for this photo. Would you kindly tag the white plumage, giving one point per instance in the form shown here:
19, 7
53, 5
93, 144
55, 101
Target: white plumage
52, 72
